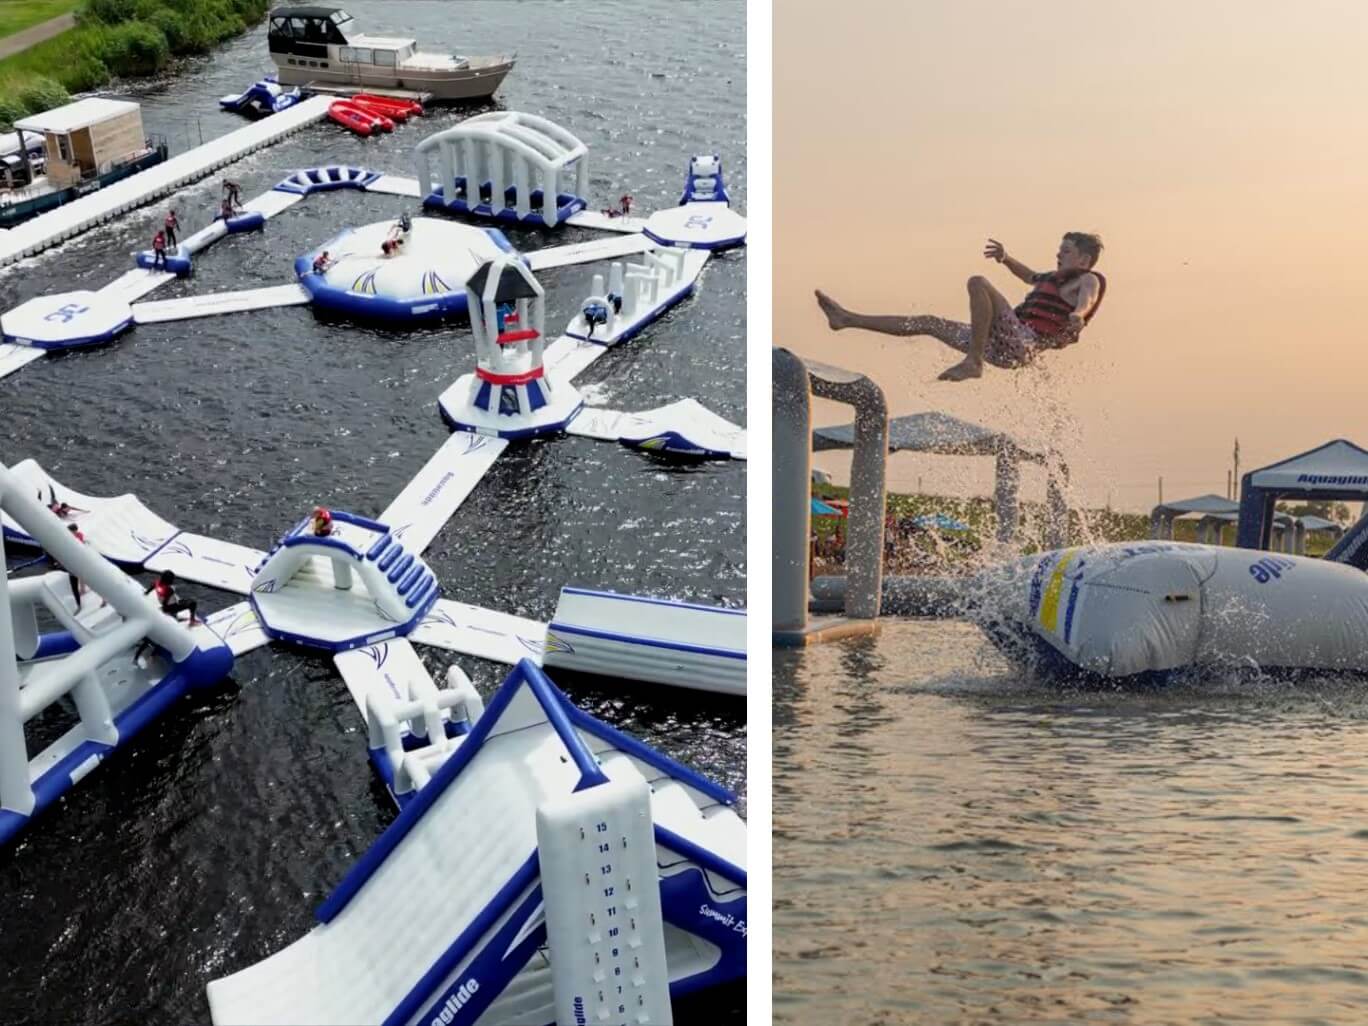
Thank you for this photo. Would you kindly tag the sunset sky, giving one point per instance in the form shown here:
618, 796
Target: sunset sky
1219, 148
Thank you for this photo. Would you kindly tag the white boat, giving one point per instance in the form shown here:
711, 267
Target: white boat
322, 46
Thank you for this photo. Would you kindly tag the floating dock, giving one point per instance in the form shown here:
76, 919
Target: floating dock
72, 219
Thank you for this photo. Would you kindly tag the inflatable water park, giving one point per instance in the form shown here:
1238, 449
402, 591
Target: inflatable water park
1140, 612
579, 874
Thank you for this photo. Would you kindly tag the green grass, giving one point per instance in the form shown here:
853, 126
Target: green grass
17, 15
114, 38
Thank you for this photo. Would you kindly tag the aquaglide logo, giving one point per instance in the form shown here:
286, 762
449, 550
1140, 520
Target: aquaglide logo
456, 1002
1270, 568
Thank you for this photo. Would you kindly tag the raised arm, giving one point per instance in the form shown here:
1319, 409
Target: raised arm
995, 250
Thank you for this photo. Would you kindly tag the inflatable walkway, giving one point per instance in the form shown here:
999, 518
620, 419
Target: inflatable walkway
444, 919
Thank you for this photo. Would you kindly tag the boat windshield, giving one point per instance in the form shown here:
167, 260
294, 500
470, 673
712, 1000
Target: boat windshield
341, 19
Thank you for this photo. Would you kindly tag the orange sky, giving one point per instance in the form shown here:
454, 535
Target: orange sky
1219, 148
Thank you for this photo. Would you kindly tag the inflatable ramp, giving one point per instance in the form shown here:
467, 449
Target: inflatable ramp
684, 428
120, 528
444, 918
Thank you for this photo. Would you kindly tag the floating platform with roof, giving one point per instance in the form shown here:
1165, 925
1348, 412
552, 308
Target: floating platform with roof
509, 394
506, 165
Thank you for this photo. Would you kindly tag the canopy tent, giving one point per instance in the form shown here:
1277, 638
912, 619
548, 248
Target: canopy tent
821, 509
945, 435
1211, 508
1337, 470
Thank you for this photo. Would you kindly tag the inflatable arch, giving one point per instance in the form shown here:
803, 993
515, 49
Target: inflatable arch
506, 165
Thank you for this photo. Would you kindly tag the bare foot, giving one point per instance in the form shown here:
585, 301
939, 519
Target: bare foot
837, 315
963, 371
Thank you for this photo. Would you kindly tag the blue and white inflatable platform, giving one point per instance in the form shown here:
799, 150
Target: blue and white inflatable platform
358, 585
68, 320
263, 97
180, 260
423, 280
468, 844
704, 218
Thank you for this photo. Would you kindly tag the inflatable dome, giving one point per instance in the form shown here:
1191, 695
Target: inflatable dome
422, 278
1146, 609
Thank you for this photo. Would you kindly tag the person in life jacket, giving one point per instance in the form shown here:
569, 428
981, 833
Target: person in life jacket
322, 522
172, 226
159, 251
321, 262
1060, 304
170, 604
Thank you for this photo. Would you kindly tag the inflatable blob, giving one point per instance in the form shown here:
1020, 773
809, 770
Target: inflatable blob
1159, 608
422, 279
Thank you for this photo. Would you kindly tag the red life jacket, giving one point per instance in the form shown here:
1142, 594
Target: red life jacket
165, 592
1046, 312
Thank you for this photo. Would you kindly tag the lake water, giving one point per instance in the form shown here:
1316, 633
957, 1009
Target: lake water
208, 844
954, 844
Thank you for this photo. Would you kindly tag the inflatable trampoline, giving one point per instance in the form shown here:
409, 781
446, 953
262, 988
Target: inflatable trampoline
1158, 609
423, 278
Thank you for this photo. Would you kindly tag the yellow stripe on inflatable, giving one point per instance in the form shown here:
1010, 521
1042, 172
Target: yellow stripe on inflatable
1049, 606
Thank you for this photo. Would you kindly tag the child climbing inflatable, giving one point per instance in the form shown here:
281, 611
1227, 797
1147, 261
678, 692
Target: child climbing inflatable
1060, 304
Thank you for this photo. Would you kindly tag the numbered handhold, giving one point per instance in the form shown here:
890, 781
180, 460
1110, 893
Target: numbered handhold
67, 320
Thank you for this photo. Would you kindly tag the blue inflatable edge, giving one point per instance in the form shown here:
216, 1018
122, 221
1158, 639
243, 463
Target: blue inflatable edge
382, 308
323, 179
675, 444
73, 343
738, 240
634, 639
566, 206
398, 630
512, 435
202, 668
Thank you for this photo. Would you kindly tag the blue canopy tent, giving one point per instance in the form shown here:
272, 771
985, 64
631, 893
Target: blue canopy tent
821, 509
1337, 471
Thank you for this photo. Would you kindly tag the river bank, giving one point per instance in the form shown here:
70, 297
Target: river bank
116, 39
